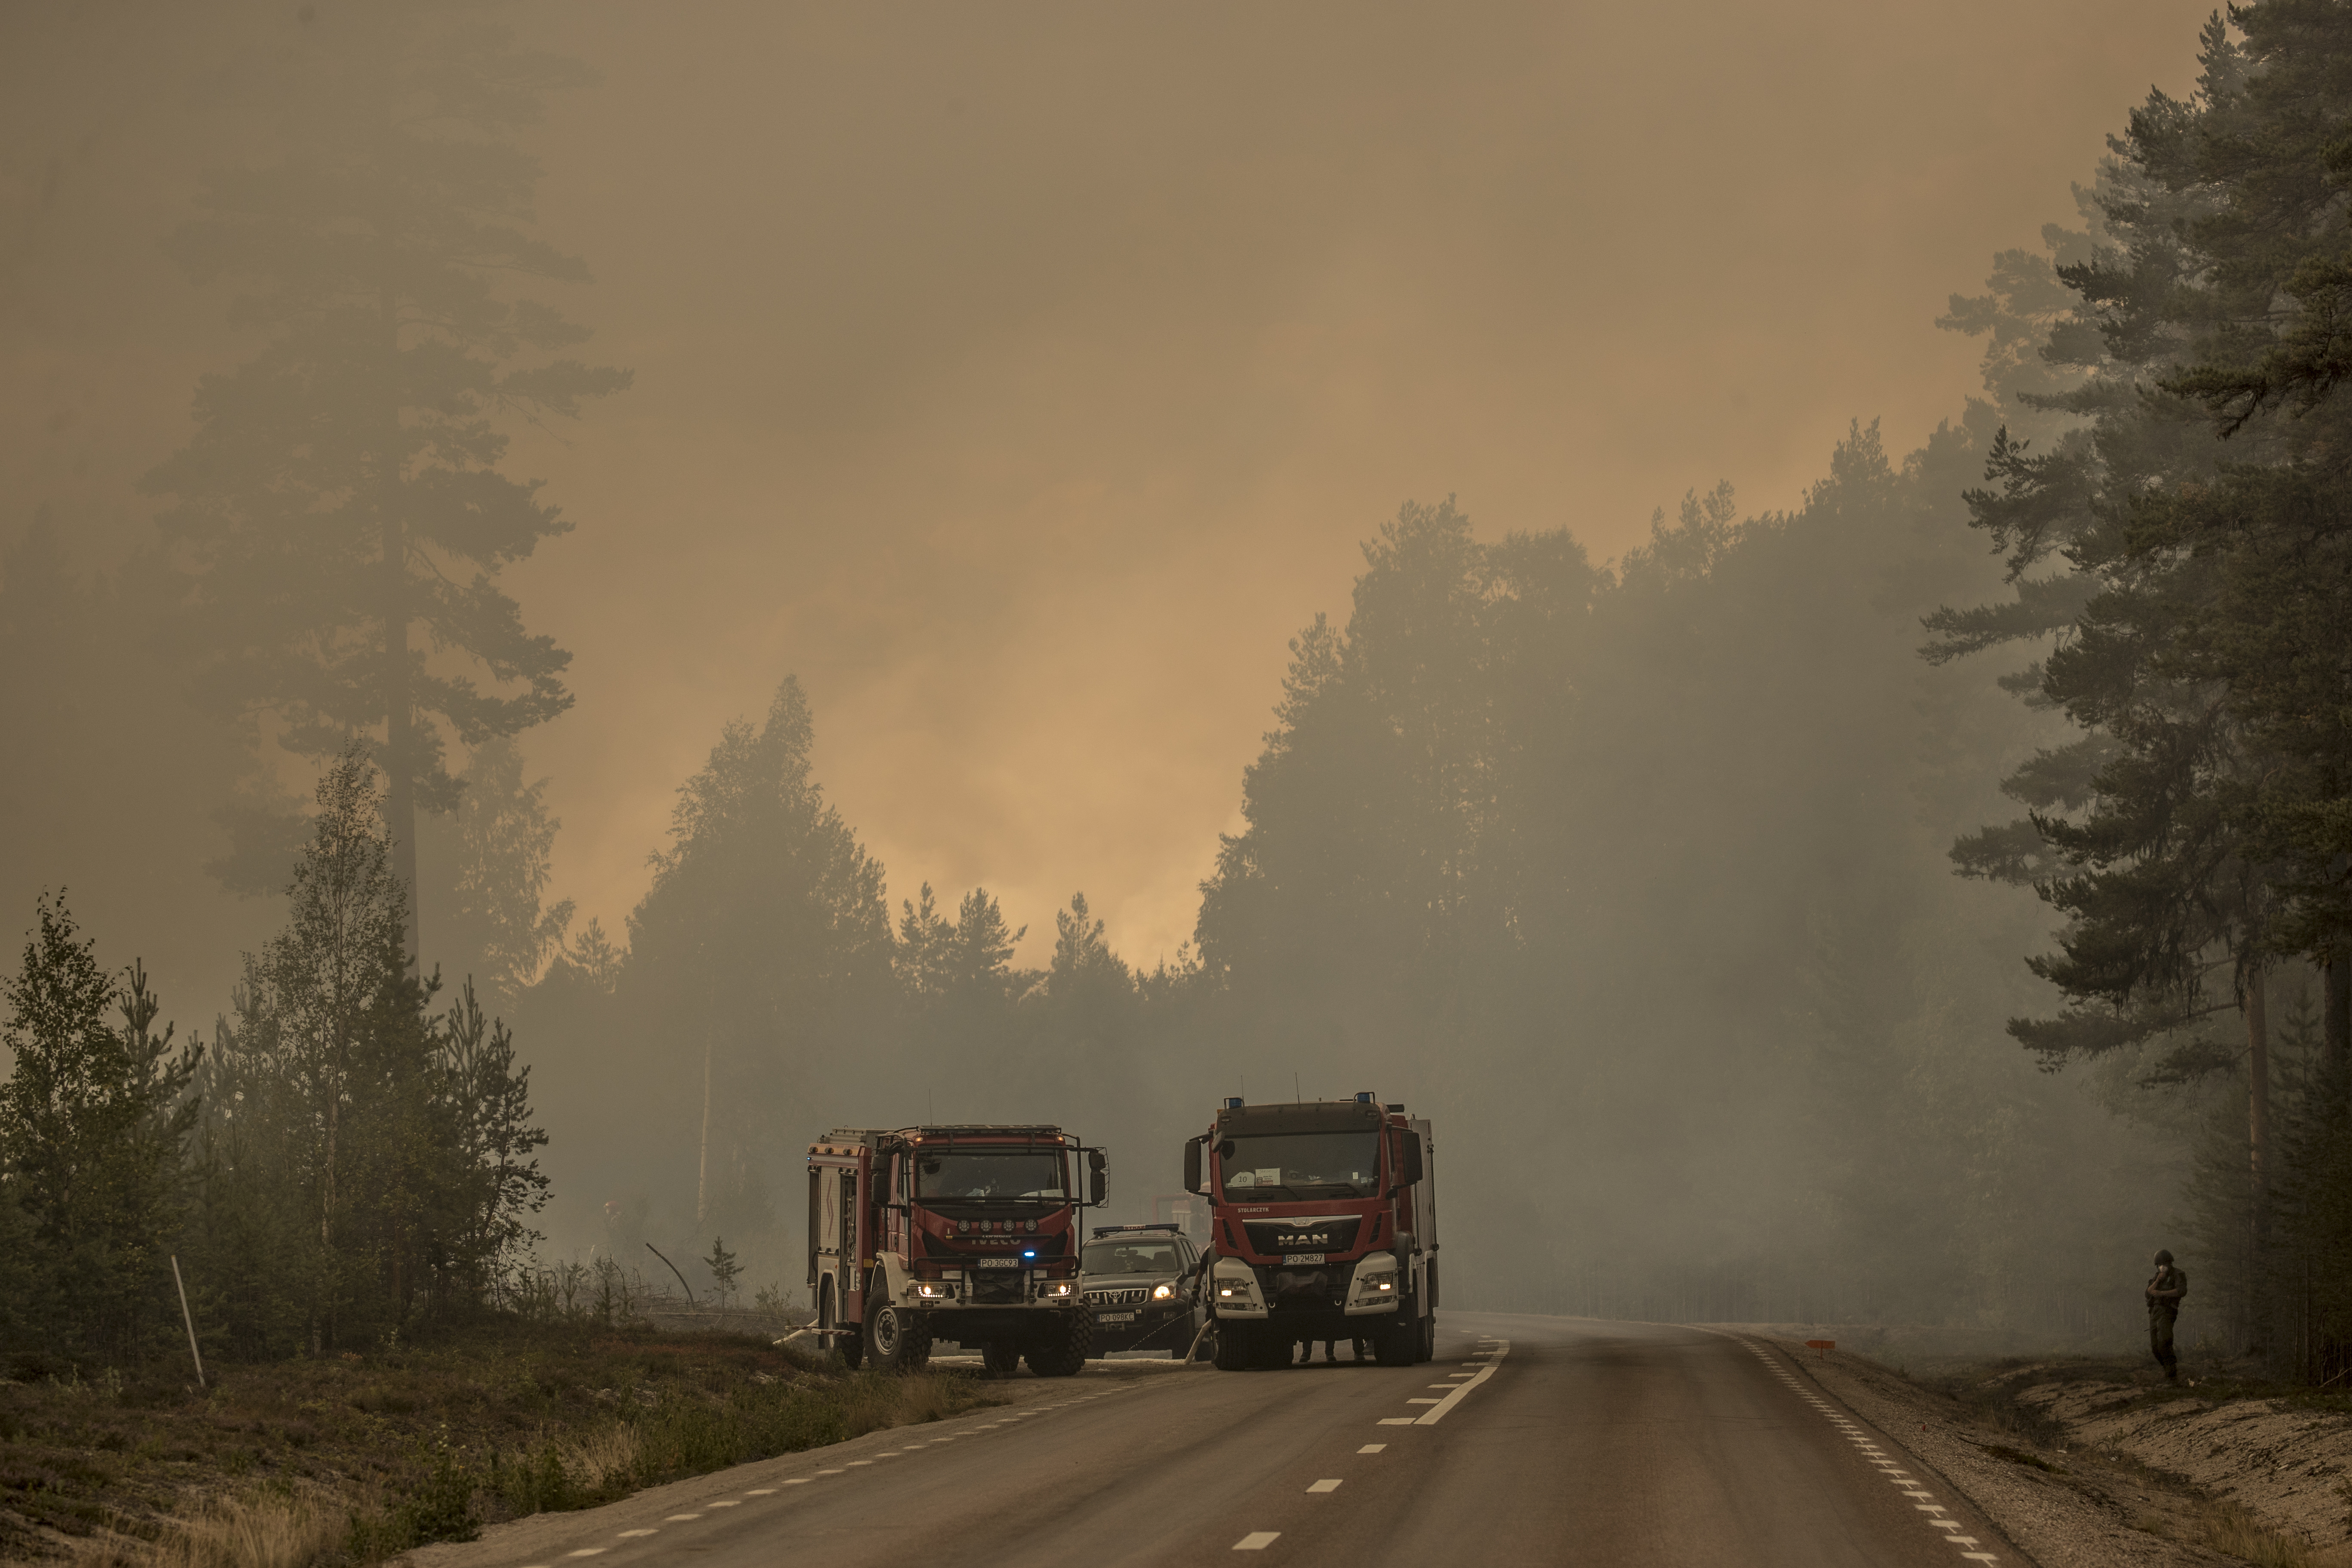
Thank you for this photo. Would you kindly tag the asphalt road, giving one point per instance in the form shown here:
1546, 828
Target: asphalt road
1527, 1440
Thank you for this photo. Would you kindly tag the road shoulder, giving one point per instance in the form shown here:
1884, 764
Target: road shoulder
2059, 1509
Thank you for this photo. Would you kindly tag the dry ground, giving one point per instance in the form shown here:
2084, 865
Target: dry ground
356, 1457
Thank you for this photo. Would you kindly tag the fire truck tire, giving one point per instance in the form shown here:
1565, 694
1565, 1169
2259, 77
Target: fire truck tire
1274, 1349
1000, 1357
1426, 1349
898, 1339
1062, 1348
1236, 1344
1397, 1342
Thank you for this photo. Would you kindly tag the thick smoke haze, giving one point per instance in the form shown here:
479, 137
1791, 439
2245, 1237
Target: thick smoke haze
1024, 376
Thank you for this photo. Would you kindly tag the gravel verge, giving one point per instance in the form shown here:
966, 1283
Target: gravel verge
2060, 1506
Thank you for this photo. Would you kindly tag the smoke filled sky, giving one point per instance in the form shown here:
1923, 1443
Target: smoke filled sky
1024, 376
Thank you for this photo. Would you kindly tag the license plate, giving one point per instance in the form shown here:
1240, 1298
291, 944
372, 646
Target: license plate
1008, 1262
1302, 1257
1114, 1317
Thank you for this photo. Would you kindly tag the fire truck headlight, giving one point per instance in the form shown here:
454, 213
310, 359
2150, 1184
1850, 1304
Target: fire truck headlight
935, 1290
1054, 1288
1163, 1292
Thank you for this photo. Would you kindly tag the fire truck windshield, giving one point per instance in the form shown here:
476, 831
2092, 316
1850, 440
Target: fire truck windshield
971, 1173
1302, 1165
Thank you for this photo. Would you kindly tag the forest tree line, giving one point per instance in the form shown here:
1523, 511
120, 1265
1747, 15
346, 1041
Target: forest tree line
1637, 875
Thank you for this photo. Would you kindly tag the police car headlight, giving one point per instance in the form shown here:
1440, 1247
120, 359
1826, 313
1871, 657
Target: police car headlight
1163, 1292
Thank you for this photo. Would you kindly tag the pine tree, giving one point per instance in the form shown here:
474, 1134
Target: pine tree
763, 946
723, 1268
340, 512
94, 1123
498, 842
376, 1156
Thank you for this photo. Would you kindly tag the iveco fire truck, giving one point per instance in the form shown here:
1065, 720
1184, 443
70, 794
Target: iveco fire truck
967, 1235
1323, 1226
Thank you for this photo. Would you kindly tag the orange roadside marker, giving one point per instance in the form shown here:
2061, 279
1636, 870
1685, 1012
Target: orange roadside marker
1821, 1348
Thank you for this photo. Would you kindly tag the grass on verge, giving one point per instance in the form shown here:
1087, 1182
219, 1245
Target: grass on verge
352, 1458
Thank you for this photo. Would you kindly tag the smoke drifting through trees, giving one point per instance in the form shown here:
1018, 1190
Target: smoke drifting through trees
1636, 874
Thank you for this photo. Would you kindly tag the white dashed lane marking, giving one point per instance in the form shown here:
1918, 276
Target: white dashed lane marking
1256, 1540
1922, 1500
1006, 1420
1372, 1448
1325, 1486
1456, 1391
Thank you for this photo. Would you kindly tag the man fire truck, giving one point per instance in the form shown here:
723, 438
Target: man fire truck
966, 1234
1323, 1226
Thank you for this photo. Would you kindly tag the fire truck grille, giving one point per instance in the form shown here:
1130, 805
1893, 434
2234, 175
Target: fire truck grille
1278, 1236
992, 1289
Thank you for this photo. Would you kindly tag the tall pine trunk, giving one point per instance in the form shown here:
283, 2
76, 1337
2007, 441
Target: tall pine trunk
399, 714
2336, 1013
702, 1173
2258, 1145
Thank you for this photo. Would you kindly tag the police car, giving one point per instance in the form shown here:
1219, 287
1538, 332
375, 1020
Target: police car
1142, 1282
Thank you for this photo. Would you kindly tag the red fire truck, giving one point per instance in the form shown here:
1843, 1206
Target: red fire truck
1323, 1226
963, 1234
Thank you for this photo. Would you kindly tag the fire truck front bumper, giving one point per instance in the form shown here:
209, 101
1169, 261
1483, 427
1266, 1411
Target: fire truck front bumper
1234, 1291
992, 1287
1369, 1288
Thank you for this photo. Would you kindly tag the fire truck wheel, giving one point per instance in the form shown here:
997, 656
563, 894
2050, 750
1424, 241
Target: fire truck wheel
1061, 1350
1428, 1346
1234, 1344
1397, 1342
1000, 1358
898, 1339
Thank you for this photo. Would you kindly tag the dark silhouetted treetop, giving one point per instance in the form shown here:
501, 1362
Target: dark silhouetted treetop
498, 841
967, 958
341, 513
762, 880
2198, 635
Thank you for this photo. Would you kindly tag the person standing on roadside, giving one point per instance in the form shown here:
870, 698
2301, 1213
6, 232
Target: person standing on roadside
2164, 1293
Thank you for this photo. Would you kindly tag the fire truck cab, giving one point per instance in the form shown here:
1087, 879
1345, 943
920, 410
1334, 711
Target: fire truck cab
967, 1235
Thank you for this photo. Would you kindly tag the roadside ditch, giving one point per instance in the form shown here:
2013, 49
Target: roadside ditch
2092, 1462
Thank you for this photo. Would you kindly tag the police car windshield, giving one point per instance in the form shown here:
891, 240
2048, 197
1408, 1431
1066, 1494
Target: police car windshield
1131, 1257
989, 1174
1302, 1165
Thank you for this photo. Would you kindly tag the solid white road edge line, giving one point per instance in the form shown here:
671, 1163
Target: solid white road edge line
1853, 1434
1503, 1348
